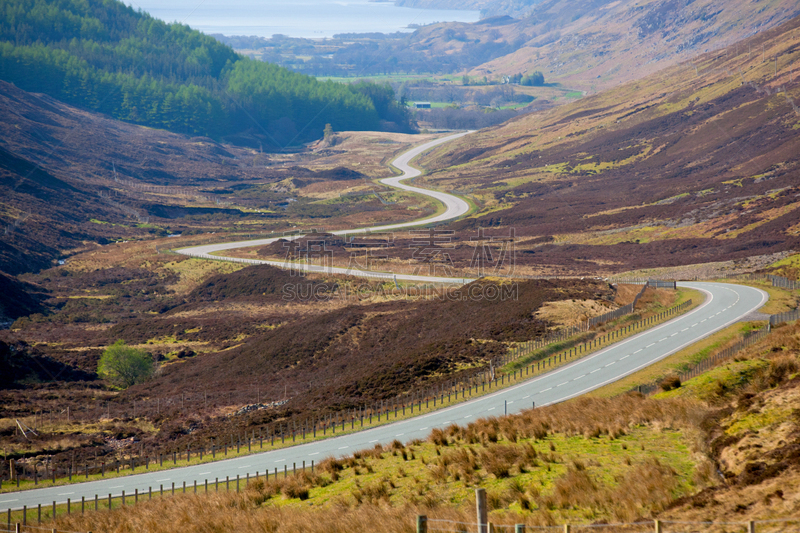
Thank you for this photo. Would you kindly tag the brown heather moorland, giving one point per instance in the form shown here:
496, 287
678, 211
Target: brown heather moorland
688, 165
695, 163
70, 178
218, 328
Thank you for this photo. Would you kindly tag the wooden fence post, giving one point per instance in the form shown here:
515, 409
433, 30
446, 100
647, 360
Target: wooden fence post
422, 524
480, 504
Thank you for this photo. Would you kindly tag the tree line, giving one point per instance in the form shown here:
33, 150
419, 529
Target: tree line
105, 56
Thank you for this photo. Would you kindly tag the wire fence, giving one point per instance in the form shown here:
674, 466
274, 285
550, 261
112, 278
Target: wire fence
705, 365
617, 313
775, 281
780, 318
31, 518
527, 361
432, 525
20, 528
654, 283
719, 357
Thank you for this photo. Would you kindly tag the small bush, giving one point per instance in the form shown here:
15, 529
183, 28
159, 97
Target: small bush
123, 366
438, 437
293, 488
670, 382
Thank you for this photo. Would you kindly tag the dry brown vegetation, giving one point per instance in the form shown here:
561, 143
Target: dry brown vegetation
214, 327
680, 167
590, 49
746, 429
511, 454
119, 182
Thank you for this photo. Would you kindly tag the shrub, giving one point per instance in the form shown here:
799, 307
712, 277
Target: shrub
123, 366
295, 489
438, 437
670, 382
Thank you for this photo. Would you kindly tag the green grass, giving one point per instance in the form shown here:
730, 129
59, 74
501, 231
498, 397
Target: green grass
407, 474
611, 333
676, 362
412, 482
708, 385
793, 261
762, 419
514, 106
382, 77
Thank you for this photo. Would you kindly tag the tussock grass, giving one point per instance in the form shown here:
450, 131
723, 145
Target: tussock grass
590, 459
557, 463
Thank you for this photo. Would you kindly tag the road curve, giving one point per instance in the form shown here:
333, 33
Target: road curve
725, 304
454, 208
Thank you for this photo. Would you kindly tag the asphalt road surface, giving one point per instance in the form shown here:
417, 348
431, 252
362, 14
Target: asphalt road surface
725, 304
454, 208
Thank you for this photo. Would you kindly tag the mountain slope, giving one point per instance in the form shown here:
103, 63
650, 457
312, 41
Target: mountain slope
588, 45
104, 56
71, 179
601, 43
687, 165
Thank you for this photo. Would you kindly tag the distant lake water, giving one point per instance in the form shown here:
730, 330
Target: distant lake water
297, 18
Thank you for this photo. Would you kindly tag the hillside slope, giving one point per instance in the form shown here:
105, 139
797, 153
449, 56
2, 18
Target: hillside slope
105, 56
696, 163
352, 354
589, 45
70, 178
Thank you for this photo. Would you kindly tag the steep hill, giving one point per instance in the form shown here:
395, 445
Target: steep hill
71, 178
696, 163
588, 46
598, 44
107, 57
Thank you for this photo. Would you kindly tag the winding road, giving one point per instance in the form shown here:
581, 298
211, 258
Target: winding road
454, 208
724, 305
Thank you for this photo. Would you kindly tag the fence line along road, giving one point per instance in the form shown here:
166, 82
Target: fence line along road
252, 397
725, 305
294, 430
424, 524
